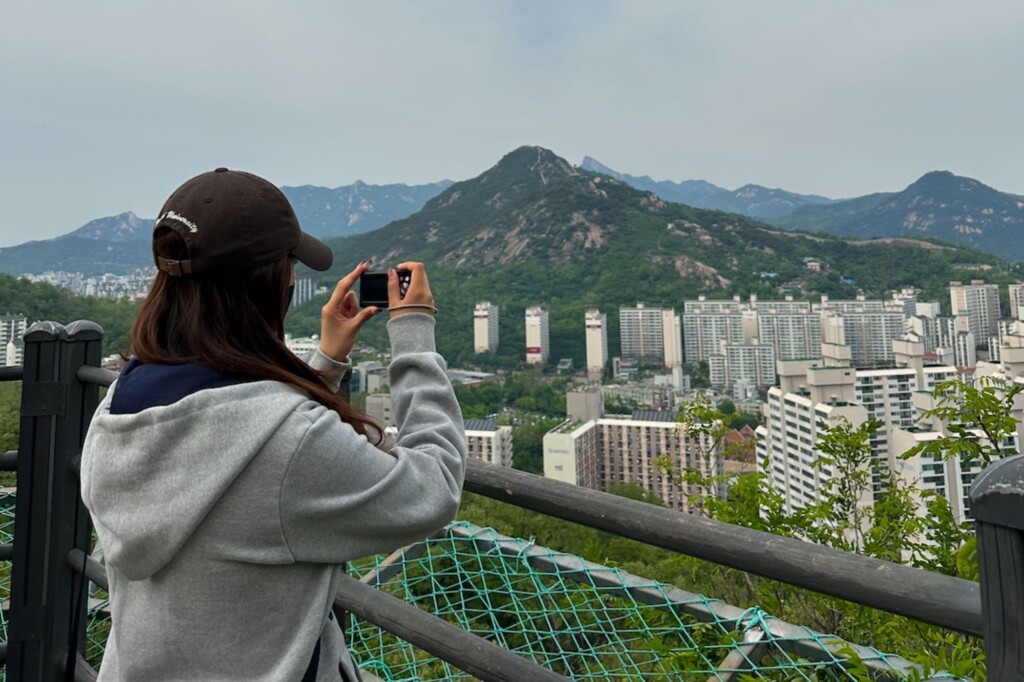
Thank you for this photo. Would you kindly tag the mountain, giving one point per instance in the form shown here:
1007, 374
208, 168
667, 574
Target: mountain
749, 200
940, 205
359, 207
691, 192
124, 227
115, 244
534, 230
118, 244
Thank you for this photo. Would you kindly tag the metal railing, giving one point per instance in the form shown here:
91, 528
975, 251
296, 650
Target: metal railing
46, 630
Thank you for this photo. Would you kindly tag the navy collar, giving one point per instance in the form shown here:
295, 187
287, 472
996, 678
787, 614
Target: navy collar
142, 386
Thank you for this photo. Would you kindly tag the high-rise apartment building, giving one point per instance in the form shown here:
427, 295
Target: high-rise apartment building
810, 391
305, 289
795, 416
737, 365
537, 343
1016, 292
979, 303
1008, 327
672, 338
857, 305
485, 328
707, 323
869, 334
611, 451
642, 334
597, 343
12, 329
949, 477
903, 301
795, 336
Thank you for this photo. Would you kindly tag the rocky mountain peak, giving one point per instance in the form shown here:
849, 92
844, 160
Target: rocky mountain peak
122, 227
532, 163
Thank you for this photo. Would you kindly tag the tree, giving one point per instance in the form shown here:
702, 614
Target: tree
850, 517
979, 419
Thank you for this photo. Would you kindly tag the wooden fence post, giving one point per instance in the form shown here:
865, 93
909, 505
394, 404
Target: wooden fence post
48, 599
997, 504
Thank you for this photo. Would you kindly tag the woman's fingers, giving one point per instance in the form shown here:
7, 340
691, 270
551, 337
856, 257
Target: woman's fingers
345, 284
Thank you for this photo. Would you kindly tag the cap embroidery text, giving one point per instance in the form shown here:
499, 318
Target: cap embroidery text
171, 215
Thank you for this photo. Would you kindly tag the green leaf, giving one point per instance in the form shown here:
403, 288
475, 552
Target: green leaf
967, 560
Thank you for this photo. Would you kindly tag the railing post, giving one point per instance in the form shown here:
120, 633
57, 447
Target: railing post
997, 503
46, 594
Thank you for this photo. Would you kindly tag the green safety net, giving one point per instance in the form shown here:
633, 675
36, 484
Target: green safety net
582, 620
589, 622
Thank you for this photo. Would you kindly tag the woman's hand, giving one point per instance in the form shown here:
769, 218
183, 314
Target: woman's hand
341, 318
418, 298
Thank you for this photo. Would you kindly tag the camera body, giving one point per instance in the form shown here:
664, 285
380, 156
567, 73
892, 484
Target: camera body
373, 287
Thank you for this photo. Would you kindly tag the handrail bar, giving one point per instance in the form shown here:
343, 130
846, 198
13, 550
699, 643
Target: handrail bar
99, 376
14, 373
929, 597
9, 460
94, 570
84, 672
468, 652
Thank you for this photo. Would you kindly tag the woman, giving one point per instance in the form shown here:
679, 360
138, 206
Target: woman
226, 478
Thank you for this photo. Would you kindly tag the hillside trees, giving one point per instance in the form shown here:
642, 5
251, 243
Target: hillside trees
891, 528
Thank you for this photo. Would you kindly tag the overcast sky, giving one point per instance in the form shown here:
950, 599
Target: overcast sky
107, 106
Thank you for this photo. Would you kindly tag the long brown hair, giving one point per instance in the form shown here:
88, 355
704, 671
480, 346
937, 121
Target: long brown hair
232, 321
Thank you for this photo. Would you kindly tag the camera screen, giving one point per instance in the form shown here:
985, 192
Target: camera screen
373, 289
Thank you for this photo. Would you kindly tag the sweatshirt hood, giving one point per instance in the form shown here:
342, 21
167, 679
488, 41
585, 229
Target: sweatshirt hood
166, 443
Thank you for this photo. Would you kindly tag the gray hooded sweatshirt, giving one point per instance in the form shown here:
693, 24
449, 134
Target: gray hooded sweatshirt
223, 513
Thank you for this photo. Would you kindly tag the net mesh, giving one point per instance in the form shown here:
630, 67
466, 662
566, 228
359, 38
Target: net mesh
582, 620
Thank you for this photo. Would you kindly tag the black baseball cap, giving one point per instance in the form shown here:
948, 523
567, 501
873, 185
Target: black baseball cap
231, 220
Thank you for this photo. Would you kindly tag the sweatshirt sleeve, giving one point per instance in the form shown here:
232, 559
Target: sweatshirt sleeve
332, 371
343, 498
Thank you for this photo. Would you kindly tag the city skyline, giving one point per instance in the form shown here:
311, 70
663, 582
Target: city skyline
419, 92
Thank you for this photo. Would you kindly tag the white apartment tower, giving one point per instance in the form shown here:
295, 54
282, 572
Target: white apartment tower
796, 413
742, 364
795, 336
950, 478
979, 303
12, 329
870, 334
597, 343
641, 333
305, 289
537, 344
672, 338
809, 391
485, 328
1016, 292
651, 335
707, 323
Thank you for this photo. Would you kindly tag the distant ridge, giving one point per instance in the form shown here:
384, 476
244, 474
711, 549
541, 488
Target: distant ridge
749, 200
120, 243
939, 204
358, 207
